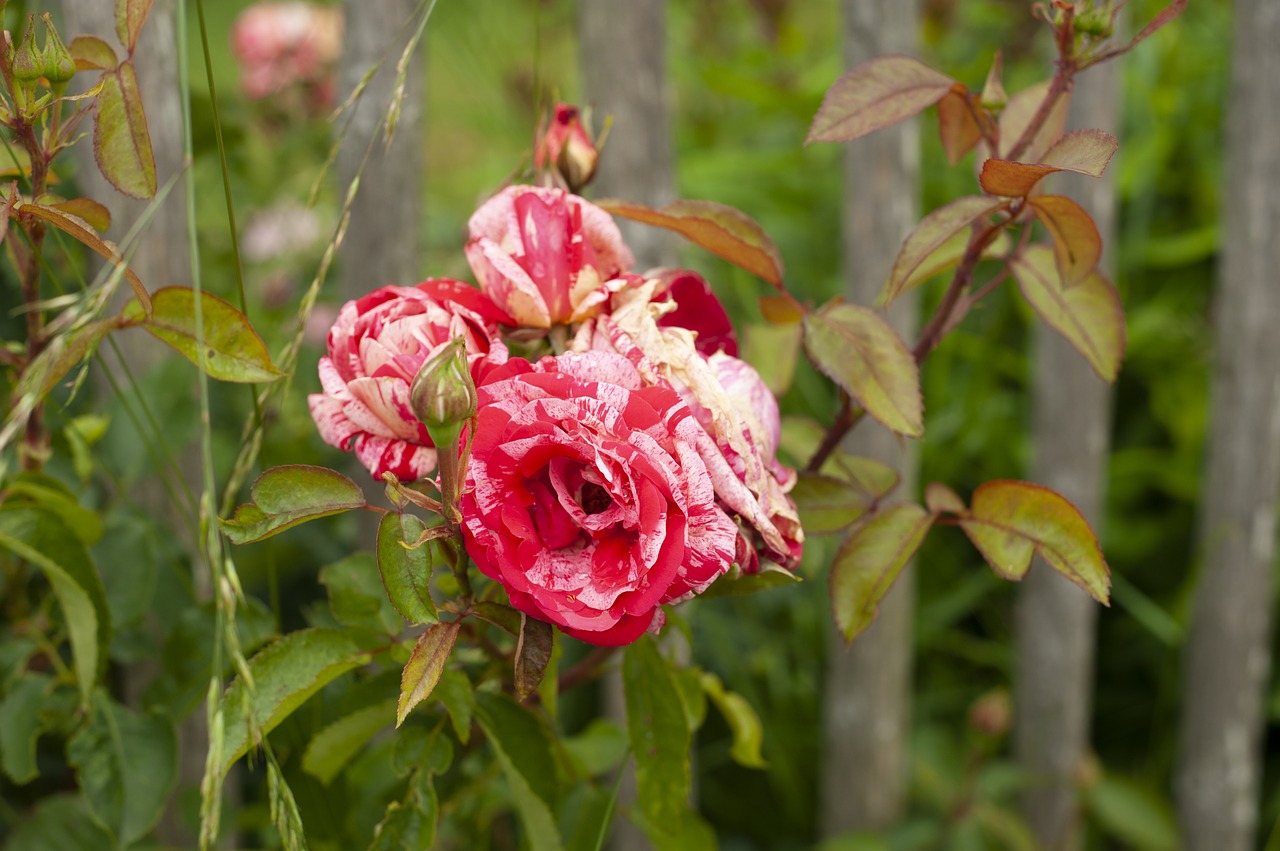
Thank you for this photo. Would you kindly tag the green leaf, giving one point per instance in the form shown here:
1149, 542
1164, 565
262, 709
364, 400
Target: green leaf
356, 597
407, 827
1009, 520
233, 351
82, 231
406, 573
827, 504
61, 822
870, 559
63, 354
1088, 314
283, 497
947, 256
744, 723
48, 493
1133, 814
417, 750
533, 653
722, 230
92, 54
44, 540
1086, 152
597, 749
857, 349
20, 726
425, 665
285, 674
90, 211
127, 765
735, 583
523, 748
130, 16
121, 142
660, 740
774, 351
1077, 245
333, 747
932, 236
875, 94
499, 614
457, 695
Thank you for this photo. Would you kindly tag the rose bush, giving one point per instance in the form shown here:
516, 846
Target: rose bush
544, 256
586, 497
375, 349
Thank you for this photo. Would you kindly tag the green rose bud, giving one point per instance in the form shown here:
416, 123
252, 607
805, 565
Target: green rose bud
59, 67
27, 64
443, 395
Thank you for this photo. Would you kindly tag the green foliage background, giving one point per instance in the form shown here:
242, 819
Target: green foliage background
746, 79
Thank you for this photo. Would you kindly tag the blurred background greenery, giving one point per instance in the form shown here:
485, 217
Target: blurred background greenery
747, 76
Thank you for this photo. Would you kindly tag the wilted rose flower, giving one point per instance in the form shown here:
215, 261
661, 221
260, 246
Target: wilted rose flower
545, 256
738, 414
376, 348
586, 497
279, 45
566, 146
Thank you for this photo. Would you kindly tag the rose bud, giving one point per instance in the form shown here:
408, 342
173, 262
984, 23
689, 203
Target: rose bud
568, 147
443, 395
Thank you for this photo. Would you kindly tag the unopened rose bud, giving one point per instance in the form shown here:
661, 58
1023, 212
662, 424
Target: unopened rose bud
992, 713
1096, 22
27, 64
568, 147
443, 395
58, 65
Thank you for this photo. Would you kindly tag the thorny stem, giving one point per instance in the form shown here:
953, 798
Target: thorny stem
956, 302
34, 442
845, 420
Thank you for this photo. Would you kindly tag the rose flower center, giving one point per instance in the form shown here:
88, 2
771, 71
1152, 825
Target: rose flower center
595, 498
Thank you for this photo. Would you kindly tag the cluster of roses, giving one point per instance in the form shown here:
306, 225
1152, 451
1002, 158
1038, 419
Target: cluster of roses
284, 45
626, 470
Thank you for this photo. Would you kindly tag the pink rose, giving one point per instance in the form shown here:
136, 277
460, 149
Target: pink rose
283, 44
376, 347
544, 256
586, 498
738, 415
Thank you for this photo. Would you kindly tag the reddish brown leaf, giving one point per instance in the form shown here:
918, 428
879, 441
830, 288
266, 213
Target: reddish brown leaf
88, 209
92, 54
1077, 245
425, 665
722, 230
869, 560
856, 348
878, 93
1083, 151
1089, 314
780, 310
930, 235
993, 93
943, 500
956, 125
1010, 179
77, 227
948, 256
121, 143
533, 654
1018, 114
1008, 521
130, 16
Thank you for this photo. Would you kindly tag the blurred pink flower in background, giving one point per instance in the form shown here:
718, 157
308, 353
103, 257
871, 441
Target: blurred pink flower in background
281, 45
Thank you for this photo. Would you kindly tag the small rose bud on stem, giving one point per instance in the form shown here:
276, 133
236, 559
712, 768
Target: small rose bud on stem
444, 399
